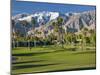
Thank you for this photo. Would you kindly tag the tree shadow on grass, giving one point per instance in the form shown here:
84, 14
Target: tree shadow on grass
27, 61
66, 49
29, 54
31, 66
39, 53
74, 49
86, 52
73, 69
62, 70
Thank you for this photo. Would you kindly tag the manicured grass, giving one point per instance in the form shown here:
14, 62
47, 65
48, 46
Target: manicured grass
52, 58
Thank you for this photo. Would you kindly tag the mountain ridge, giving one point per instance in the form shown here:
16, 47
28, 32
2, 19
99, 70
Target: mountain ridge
73, 22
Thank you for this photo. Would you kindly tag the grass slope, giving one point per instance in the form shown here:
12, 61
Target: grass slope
51, 58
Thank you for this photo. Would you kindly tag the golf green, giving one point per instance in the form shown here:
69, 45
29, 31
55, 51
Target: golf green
51, 59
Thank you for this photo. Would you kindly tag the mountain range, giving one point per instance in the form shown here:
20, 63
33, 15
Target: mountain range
73, 22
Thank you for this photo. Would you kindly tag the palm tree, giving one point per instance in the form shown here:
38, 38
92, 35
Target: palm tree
60, 22
59, 29
24, 24
17, 34
29, 37
55, 26
93, 36
84, 35
13, 23
13, 33
33, 22
15, 37
45, 35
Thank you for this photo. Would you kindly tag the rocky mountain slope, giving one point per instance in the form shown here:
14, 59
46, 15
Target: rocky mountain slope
73, 22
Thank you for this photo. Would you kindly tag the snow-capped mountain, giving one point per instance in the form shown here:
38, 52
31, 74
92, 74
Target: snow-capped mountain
73, 22
16, 17
38, 16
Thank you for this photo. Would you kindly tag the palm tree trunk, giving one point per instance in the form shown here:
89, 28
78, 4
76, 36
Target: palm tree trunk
25, 35
45, 41
62, 40
29, 45
34, 40
34, 43
17, 43
82, 42
14, 44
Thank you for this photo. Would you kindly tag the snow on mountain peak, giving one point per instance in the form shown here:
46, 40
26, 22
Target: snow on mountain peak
40, 16
27, 18
54, 15
20, 16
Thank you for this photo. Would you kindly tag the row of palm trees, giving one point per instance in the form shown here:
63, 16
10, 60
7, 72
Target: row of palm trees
85, 36
16, 36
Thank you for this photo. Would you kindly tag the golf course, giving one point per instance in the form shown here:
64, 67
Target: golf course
52, 38
52, 59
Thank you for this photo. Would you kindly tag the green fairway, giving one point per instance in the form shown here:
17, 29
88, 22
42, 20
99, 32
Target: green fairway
52, 58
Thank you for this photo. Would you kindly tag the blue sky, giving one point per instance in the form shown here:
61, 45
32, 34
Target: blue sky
31, 7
